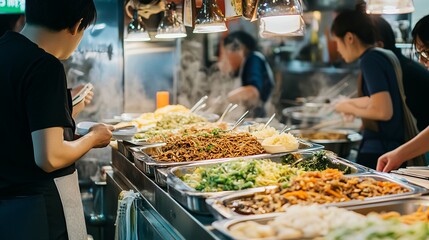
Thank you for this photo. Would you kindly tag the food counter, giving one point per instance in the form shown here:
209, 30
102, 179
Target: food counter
187, 179
162, 217
159, 215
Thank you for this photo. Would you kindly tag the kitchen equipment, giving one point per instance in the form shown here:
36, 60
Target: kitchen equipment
195, 200
148, 165
305, 115
338, 141
407, 206
217, 204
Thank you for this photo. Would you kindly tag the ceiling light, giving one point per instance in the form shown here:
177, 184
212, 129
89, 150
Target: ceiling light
210, 18
136, 31
282, 26
389, 6
170, 26
281, 18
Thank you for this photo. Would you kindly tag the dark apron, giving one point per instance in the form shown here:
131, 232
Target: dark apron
57, 214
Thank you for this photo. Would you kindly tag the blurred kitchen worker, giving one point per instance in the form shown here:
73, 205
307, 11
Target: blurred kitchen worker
242, 59
380, 105
39, 191
419, 144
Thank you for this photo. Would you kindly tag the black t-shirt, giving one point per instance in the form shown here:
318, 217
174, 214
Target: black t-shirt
34, 96
416, 86
378, 75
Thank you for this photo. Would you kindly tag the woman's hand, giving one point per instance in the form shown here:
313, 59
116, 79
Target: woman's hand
81, 105
102, 134
389, 161
343, 106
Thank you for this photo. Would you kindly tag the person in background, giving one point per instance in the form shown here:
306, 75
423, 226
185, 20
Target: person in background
242, 59
11, 22
419, 144
39, 191
415, 77
379, 105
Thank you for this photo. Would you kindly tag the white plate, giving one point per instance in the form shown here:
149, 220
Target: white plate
82, 128
125, 134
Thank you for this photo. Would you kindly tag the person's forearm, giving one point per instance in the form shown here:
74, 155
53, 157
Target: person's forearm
369, 113
417, 146
360, 102
51, 154
378, 107
248, 94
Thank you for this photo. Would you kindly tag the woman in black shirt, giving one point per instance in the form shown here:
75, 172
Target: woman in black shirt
38, 181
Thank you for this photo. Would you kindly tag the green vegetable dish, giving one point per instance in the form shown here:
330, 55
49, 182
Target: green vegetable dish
239, 175
318, 161
245, 174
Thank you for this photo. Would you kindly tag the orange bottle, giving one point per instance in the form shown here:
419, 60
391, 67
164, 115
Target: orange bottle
162, 99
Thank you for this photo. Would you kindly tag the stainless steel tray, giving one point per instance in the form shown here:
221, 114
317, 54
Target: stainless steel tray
195, 200
404, 206
148, 165
223, 226
217, 205
161, 176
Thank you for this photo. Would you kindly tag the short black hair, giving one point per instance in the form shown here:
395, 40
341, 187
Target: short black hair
7, 22
244, 38
58, 15
421, 30
354, 21
384, 33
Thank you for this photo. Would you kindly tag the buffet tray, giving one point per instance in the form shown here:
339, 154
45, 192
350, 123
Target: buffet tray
196, 201
404, 206
224, 225
216, 204
148, 165
161, 176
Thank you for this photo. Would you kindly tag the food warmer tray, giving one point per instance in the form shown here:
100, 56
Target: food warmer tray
216, 204
195, 200
224, 225
161, 176
404, 206
148, 165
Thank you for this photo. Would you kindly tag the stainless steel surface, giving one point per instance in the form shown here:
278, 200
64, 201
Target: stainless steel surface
176, 218
341, 147
148, 165
198, 104
217, 205
195, 200
405, 206
161, 176
223, 226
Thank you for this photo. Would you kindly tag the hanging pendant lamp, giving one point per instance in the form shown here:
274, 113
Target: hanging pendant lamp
280, 18
210, 18
389, 6
136, 30
170, 26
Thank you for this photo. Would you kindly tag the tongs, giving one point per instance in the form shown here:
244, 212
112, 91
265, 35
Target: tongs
199, 104
239, 121
228, 109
